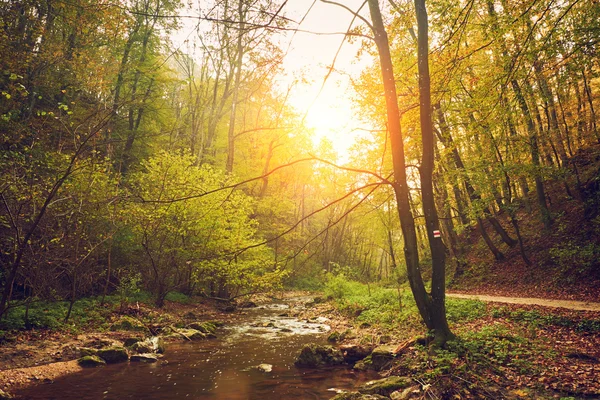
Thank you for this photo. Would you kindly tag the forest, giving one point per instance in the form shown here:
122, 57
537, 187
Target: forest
153, 150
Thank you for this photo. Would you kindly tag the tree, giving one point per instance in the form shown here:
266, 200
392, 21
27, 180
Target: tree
431, 306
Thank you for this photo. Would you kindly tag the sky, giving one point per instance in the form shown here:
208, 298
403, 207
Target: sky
331, 114
329, 110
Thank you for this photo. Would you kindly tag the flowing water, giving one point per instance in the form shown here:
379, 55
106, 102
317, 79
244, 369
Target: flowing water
221, 369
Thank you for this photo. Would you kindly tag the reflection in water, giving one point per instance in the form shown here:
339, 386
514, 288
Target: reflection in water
221, 369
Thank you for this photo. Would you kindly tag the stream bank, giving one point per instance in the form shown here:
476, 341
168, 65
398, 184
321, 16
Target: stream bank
252, 357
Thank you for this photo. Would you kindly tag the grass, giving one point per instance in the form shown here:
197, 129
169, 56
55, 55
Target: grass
87, 312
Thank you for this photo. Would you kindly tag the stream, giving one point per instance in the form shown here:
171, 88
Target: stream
219, 369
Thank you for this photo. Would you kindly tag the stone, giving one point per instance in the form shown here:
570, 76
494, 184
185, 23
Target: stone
357, 396
5, 396
113, 355
265, 367
91, 362
144, 357
385, 386
285, 330
142, 347
192, 334
335, 336
353, 353
316, 355
126, 323
87, 351
131, 341
204, 327
381, 357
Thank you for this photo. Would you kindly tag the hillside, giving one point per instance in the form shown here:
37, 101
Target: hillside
565, 262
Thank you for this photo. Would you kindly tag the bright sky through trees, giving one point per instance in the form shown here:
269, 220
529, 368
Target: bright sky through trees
311, 51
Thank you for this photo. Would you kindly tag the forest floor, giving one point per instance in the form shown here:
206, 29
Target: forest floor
565, 260
512, 351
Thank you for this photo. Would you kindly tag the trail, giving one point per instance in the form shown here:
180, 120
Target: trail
568, 304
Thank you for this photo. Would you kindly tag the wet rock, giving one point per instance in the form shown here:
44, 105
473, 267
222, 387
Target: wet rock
265, 367
131, 341
353, 353
87, 351
204, 327
113, 355
285, 330
126, 323
154, 344
90, 362
377, 360
357, 396
385, 386
191, 334
316, 355
145, 357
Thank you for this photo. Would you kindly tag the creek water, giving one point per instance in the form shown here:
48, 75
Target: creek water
219, 369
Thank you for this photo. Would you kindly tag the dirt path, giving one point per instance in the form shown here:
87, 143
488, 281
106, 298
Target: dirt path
568, 304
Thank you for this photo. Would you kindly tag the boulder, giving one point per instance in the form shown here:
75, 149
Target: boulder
90, 362
87, 351
357, 396
113, 355
154, 344
204, 327
353, 353
316, 355
146, 357
126, 323
381, 357
385, 386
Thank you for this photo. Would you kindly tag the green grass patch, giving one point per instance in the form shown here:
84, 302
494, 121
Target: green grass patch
537, 319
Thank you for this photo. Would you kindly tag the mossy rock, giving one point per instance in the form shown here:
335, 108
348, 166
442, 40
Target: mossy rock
142, 347
317, 355
91, 362
385, 386
87, 351
127, 323
335, 336
154, 344
113, 355
353, 353
204, 327
358, 396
